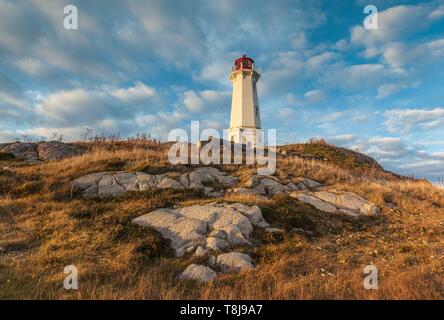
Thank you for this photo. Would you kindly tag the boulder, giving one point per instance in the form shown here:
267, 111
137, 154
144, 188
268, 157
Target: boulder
212, 261
200, 252
302, 186
315, 202
55, 150
198, 177
167, 182
197, 272
332, 201
234, 261
270, 186
33, 152
291, 187
309, 183
348, 202
212, 226
23, 150
180, 230
113, 182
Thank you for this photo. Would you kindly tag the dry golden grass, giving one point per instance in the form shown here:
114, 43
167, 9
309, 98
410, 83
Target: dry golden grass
43, 229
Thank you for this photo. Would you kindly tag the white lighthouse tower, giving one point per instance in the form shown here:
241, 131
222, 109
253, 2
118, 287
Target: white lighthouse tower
245, 121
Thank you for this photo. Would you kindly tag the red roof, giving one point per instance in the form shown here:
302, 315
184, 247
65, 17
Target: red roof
244, 62
243, 58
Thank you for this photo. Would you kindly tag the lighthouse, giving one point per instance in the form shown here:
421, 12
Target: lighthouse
245, 120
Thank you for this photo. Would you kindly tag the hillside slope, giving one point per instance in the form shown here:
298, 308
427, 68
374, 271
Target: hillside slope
45, 225
325, 152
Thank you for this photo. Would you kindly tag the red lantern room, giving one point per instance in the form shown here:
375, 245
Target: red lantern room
243, 63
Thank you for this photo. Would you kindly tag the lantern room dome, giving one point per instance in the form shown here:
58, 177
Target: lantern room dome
243, 62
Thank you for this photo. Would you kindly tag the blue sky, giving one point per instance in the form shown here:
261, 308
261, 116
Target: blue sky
151, 66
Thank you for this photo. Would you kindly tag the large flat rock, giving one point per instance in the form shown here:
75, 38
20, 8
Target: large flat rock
316, 202
112, 184
214, 226
333, 201
348, 201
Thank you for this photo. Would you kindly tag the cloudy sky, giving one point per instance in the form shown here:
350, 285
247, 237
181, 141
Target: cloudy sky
151, 66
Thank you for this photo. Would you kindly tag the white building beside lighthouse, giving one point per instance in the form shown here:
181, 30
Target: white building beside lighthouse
245, 120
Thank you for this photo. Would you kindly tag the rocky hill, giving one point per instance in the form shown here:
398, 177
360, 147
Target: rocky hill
35, 152
136, 226
325, 152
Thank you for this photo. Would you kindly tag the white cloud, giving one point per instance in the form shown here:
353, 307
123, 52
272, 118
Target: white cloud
405, 120
283, 73
331, 117
7, 135
79, 79
436, 47
290, 99
318, 61
299, 41
314, 96
14, 105
216, 71
356, 77
388, 89
95, 107
193, 101
342, 138
286, 114
394, 154
75, 106
12, 101
341, 45
138, 92
438, 13
391, 40
400, 54
161, 123
174, 38
393, 24
207, 100
31, 66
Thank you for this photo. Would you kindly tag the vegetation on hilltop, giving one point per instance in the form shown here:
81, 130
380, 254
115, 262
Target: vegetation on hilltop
319, 149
